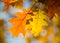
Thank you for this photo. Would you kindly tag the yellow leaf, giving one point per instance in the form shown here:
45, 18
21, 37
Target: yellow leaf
37, 23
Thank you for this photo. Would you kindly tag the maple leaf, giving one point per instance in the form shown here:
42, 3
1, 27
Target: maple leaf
37, 23
19, 23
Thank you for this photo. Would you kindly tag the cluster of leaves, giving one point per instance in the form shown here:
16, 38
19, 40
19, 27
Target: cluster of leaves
34, 23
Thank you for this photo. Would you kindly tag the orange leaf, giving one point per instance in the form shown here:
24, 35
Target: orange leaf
19, 23
8, 3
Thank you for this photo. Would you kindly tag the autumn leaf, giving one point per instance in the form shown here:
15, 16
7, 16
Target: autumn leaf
37, 23
7, 3
19, 23
53, 7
